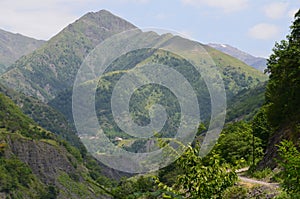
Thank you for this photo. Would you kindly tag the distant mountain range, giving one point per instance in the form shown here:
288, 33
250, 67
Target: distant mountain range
13, 46
257, 62
48, 73
52, 68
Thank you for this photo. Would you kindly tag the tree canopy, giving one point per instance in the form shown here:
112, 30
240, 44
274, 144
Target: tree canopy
282, 92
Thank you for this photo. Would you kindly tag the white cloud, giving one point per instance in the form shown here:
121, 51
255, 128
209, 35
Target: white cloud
38, 19
264, 31
227, 6
276, 10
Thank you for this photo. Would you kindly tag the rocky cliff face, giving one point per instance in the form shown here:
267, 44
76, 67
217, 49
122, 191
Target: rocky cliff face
53, 166
45, 160
289, 132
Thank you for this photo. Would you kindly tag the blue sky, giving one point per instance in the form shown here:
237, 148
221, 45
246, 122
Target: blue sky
250, 25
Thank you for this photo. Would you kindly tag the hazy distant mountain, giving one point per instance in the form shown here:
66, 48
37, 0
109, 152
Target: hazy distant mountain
13, 46
257, 62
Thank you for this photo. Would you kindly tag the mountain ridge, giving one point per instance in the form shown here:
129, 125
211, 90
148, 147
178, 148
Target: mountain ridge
13, 46
51, 69
256, 62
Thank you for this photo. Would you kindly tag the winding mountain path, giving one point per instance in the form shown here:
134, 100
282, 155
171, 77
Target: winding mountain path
253, 181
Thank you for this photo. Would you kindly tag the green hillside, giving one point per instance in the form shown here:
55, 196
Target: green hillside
45, 116
237, 77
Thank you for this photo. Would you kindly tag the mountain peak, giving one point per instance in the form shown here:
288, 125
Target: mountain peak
105, 18
100, 12
96, 26
61, 56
